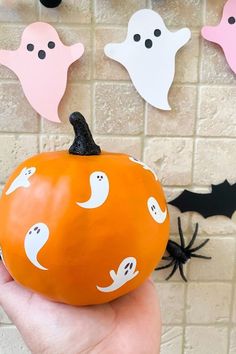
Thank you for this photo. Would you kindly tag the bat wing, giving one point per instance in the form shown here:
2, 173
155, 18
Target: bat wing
207, 204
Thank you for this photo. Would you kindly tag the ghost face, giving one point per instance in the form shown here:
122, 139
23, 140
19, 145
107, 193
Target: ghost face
148, 53
155, 211
44, 46
35, 239
22, 180
224, 34
99, 185
126, 272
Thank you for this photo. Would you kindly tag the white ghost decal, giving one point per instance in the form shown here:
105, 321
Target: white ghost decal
155, 211
144, 166
22, 180
35, 239
125, 273
148, 53
99, 184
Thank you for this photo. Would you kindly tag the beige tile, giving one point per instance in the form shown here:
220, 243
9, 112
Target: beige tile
232, 349
18, 11
3, 317
171, 340
172, 302
10, 37
171, 158
208, 303
12, 342
215, 225
14, 150
130, 145
206, 340
70, 11
214, 161
233, 315
220, 267
214, 10
77, 98
118, 109
55, 142
104, 67
178, 122
177, 13
187, 62
81, 69
217, 116
215, 69
16, 114
116, 12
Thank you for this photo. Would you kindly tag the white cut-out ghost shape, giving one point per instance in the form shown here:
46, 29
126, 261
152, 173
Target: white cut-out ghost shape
155, 211
125, 273
148, 53
146, 167
35, 239
22, 180
99, 185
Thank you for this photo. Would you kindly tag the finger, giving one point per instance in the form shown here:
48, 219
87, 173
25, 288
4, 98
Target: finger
4, 275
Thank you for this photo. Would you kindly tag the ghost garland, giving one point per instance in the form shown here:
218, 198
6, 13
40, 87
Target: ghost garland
41, 64
148, 53
224, 34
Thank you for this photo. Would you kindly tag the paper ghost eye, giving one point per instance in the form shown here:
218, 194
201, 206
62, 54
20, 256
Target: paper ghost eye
157, 33
137, 37
30, 47
51, 45
232, 20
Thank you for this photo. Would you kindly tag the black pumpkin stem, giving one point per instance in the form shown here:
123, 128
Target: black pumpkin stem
50, 3
83, 143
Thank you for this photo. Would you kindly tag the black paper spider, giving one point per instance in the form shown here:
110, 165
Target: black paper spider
179, 254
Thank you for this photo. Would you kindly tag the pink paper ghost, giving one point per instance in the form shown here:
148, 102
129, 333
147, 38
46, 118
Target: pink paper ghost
225, 33
41, 64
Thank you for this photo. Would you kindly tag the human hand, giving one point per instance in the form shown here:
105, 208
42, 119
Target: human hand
128, 325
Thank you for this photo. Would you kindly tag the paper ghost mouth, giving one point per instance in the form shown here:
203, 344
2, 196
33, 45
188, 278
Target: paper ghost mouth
148, 43
42, 54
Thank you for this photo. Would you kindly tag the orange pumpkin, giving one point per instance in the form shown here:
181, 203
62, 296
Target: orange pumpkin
83, 227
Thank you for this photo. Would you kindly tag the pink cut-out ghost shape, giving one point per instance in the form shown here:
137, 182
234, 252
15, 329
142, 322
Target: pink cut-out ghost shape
225, 33
41, 64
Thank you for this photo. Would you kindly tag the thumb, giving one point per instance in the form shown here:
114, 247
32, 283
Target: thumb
13, 297
4, 275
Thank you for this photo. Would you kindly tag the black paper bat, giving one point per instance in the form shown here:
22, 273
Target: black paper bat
221, 201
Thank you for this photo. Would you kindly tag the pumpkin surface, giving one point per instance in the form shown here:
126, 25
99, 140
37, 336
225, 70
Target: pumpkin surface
82, 229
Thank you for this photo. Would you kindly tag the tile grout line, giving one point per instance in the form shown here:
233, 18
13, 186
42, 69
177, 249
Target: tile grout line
192, 168
233, 292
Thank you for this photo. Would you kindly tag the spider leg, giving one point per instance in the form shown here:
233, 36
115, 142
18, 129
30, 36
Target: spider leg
181, 233
167, 258
173, 270
193, 238
181, 270
166, 266
200, 246
199, 256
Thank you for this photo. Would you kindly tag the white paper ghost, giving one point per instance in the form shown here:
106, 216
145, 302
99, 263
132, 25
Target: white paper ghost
22, 180
126, 272
35, 239
148, 53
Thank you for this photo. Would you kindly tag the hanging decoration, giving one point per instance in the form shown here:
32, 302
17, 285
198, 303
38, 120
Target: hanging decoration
221, 201
224, 34
148, 53
41, 64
